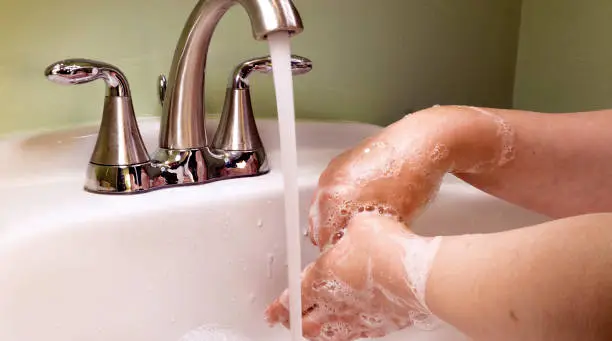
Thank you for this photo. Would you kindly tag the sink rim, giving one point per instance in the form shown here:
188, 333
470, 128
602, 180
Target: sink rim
57, 197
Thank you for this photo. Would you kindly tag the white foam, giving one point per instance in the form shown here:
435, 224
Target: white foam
439, 153
213, 333
336, 330
419, 255
506, 135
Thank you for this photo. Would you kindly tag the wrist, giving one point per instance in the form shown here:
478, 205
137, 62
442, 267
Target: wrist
419, 255
453, 276
418, 259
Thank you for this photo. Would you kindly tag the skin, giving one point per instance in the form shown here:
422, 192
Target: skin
399, 170
491, 287
562, 165
369, 295
551, 281
494, 286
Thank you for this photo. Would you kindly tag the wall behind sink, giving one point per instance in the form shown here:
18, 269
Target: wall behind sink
372, 63
565, 56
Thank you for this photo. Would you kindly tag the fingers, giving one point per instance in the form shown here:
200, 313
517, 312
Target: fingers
327, 216
313, 220
324, 214
312, 322
314, 314
278, 310
318, 218
337, 328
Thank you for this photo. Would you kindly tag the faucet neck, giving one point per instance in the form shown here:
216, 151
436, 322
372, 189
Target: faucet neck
183, 118
182, 123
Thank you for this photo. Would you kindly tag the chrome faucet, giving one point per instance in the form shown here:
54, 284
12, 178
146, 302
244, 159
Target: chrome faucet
120, 162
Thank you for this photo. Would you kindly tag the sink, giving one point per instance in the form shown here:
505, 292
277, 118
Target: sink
151, 267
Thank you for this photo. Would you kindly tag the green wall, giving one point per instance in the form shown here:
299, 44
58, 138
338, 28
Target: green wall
565, 56
372, 63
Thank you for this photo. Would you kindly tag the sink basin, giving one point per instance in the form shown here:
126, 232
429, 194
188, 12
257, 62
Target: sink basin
151, 267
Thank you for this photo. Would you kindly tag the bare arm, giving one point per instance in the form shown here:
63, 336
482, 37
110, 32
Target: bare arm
546, 282
556, 164
551, 281
562, 163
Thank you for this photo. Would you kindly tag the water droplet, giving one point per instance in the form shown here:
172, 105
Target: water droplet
252, 298
260, 223
269, 264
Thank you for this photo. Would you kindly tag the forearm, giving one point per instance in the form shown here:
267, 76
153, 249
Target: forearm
547, 282
561, 163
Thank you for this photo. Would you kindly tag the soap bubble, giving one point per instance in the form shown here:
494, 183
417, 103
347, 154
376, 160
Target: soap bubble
213, 333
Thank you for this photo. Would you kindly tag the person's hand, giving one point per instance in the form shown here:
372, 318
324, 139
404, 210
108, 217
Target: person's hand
371, 283
399, 170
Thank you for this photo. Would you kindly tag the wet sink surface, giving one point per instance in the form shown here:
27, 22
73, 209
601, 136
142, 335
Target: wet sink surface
151, 267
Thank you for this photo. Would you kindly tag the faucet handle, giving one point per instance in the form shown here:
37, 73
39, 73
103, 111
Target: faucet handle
120, 157
162, 83
239, 80
237, 130
80, 71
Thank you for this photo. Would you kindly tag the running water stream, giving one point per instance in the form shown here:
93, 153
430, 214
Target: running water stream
280, 51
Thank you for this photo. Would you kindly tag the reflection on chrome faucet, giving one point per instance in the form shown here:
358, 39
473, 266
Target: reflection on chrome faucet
120, 162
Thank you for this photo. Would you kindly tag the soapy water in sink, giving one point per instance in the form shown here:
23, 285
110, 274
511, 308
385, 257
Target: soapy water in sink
213, 333
280, 52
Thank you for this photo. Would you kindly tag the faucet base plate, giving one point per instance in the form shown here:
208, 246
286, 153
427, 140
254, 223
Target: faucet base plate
171, 168
107, 179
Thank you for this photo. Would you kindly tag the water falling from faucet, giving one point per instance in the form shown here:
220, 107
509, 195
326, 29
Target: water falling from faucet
280, 51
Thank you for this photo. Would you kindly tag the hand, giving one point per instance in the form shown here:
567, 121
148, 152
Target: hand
398, 171
371, 283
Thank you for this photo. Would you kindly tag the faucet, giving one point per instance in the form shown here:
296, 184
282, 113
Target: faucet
120, 163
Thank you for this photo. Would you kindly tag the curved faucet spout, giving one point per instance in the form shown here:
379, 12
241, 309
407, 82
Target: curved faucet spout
182, 123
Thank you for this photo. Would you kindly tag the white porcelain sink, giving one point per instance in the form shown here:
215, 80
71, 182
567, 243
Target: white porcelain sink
151, 267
